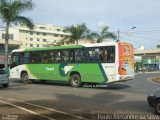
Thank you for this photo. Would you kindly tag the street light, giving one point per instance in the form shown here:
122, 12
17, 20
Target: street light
118, 32
133, 27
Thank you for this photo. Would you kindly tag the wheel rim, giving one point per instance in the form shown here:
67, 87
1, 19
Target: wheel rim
158, 108
25, 78
74, 81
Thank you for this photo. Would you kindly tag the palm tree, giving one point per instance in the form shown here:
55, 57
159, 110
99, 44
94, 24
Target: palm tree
103, 35
77, 32
10, 11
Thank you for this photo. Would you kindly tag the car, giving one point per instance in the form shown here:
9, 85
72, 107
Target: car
4, 78
154, 100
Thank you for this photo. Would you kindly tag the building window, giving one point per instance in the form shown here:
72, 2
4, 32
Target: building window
37, 39
10, 36
56, 35
37, 33
58, 29
31, 45
37, 45
44, 34
43, 28
31, 33
31, 39
44, 40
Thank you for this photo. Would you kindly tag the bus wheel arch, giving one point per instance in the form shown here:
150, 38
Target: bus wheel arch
75, 79
25, 77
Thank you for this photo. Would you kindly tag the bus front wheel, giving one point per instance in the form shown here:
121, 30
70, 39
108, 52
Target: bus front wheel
75, 80
25, 78
158, 107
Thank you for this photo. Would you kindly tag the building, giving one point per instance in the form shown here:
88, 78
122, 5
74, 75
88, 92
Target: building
14, 43
42, 35
22, 37
149, 58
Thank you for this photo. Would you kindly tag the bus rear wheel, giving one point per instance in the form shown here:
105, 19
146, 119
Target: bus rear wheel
75, 80
25, 78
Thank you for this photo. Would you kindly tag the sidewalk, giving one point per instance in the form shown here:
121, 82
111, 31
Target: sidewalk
140, 72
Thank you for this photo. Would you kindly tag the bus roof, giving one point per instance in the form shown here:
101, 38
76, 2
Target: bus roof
68, 46
49, 48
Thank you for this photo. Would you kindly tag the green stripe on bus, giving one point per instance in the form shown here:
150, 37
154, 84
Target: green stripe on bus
103, 72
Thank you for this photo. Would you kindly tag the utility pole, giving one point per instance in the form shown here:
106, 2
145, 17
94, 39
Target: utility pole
118, 35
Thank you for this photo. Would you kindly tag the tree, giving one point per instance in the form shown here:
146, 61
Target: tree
103, 35
77, 32
10, 11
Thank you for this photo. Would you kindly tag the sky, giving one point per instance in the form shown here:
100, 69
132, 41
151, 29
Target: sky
117, 14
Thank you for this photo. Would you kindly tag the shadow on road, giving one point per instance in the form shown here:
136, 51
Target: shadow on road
90, 107
110, 86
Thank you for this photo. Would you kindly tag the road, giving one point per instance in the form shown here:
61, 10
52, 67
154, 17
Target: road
60, 101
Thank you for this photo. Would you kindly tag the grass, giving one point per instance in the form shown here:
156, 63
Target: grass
156, 79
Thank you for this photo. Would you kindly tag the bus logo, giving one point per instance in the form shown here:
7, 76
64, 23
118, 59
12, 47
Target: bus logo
64, 69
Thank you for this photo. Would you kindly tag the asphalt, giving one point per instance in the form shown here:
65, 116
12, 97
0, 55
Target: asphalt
59, 101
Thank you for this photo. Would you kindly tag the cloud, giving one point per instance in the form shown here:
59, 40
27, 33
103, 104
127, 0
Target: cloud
102, 24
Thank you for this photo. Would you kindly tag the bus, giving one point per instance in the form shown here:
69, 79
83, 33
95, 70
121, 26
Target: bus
75, 64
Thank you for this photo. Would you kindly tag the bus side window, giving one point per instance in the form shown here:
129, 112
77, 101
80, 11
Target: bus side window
26, 58
51, 57
101, 55
71, 56
44, 57
65, 56
21, 58
110, 54
94, 55
35, 57
57, 56
79, 55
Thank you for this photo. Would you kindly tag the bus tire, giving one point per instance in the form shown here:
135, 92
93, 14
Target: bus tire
25, 78
5, 85
75, 80
158, 107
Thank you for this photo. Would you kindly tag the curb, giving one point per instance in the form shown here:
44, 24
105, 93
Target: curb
147, 72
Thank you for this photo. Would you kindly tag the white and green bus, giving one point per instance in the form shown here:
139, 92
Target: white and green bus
76, 64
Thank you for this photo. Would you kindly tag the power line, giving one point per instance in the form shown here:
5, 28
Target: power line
137, 36
137, 42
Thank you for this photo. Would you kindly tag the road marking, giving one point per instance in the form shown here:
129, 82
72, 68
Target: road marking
27, 110
50, 109
151, 81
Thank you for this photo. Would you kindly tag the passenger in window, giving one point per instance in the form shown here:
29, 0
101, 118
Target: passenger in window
101, 55
45, 60
111, 58
32, 61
